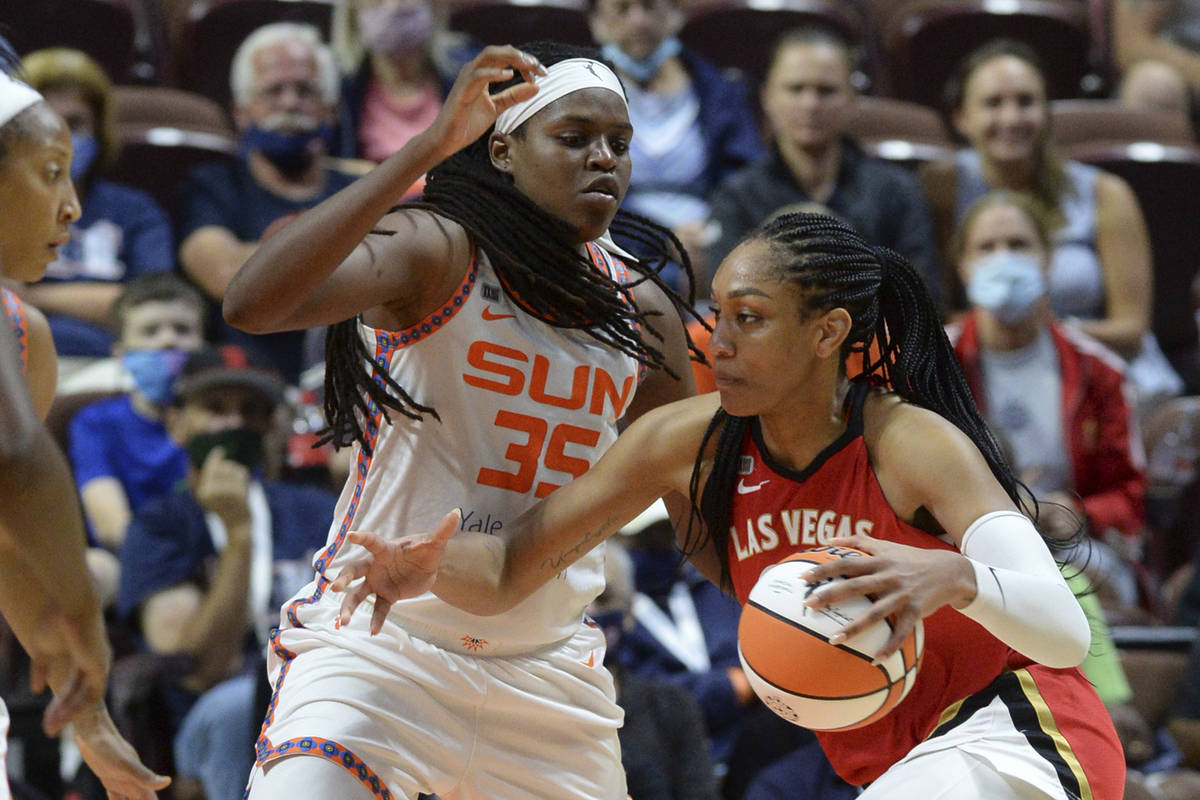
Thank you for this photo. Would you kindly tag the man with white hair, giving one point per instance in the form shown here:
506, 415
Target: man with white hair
285, 96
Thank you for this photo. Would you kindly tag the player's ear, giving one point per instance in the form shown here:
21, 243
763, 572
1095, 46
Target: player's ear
832, 329
500, 151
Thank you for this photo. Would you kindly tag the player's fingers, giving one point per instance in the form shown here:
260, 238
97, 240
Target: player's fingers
379, 615
374, 543
851, 586
905, 623
348, 575
502, 55
877, 611
864, 543
448, 526
841, 568
67, 702
513, 95
352, 601
481, 77
37, 676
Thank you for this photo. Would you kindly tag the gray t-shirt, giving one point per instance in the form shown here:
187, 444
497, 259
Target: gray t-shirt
1024, 401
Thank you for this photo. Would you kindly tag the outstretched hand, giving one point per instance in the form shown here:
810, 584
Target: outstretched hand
906, 583
470, 109
114, 760
395, 569
72, 656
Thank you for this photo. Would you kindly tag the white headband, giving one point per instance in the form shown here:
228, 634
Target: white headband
15, 97
560, 79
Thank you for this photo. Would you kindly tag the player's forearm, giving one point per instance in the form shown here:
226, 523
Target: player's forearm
288, 266
46, 525
489, 574
35, 616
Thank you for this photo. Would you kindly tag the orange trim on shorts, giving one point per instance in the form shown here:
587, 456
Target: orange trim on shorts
329, 750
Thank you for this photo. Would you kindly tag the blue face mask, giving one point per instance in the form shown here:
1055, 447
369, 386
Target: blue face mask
86, 151
1007, 284
645, 69
154, 372
291, 152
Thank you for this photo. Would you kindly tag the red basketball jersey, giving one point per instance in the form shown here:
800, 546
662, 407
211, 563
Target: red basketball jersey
778, 511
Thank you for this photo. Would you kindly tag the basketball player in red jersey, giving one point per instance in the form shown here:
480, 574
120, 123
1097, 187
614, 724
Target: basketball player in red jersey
790, 454
45, 593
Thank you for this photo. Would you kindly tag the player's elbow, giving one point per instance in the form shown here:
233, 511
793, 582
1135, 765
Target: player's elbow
1074, 641
241, 313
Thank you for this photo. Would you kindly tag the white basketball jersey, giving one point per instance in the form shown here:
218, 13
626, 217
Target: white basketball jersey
525, 407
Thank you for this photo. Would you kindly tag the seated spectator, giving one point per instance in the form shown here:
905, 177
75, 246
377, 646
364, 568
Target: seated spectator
1053, 394
663, 746
400, 62
693, 125
1160, 30
1100, 271
120, 451
285, 95
205, 568
807, 99
1155, 86
122, 233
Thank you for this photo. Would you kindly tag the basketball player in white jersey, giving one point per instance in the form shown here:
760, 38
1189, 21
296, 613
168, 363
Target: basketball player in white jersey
484, 345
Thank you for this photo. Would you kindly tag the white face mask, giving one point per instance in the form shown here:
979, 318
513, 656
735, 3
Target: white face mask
1008, 285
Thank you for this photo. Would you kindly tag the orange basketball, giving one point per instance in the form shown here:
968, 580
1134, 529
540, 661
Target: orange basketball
785, 650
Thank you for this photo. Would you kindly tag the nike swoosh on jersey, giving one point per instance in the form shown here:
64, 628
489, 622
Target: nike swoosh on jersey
490, 316
742, 488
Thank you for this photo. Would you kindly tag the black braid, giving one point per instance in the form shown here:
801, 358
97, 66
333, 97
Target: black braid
536, 257
892, 312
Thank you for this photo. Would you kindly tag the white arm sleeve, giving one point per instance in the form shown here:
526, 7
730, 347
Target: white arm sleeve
1021, 596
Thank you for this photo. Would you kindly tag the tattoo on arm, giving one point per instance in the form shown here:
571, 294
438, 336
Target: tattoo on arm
586, 542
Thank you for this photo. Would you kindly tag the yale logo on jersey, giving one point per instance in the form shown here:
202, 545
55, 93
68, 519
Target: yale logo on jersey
801, 526
509, 371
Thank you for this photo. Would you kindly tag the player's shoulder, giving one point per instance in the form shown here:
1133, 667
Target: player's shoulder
896, 428
420, 226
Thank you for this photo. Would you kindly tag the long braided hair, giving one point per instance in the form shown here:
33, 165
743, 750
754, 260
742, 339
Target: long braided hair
540, 267
892, 315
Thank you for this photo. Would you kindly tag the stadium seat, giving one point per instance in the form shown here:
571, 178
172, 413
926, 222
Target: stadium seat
739, 34
899, 131
215, 28
519, 21
1083, 122
163, 133
1164, 178
117, 33
923, 42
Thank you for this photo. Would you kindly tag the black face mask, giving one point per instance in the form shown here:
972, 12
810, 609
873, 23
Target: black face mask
240, 444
